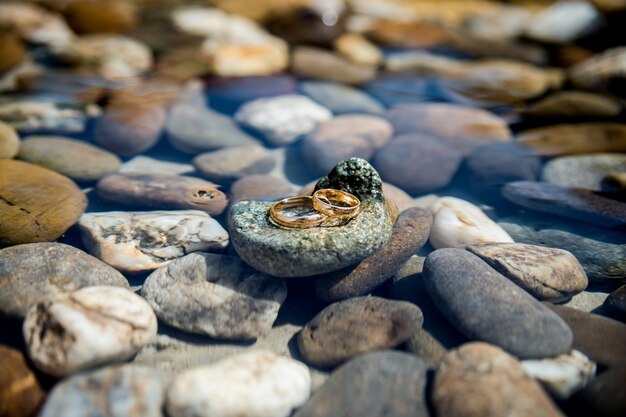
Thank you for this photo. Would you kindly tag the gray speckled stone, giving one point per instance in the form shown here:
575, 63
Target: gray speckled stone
290, 252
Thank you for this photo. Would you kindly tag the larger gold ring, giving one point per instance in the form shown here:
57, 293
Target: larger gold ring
302, 221
336, 203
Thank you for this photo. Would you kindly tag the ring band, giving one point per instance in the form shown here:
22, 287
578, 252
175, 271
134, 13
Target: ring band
325, 201
301, 221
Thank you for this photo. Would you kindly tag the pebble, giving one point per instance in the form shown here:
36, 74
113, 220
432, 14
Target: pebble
601, 338
481, 380
34, 272
407, 35
575, 104
459, 127
126, 390
35, 24
78, 160
409, 235
579, 138
162, 191
261, 187
562, 376
615, 304
256, 384
283, 119
352, 327
142, 164
89, 16
289, 252
401, 199
582, 171
601, 251
575, 203
341, 98
316, 63
21, 395
267, 57
589, 301
87, 328
216, 295
486, 306
564, 22
417, 163
227, 94
34, 113
233, 163
546, 273
194, 128
142, 241
604, 396
9, 141
358, 49
600, 72
342, 137
40, 205
12, 51
378, 384
458, 223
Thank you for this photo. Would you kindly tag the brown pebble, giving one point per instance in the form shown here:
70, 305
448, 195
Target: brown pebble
20, 392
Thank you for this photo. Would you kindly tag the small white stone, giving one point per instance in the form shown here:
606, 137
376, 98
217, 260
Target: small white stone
86, 328
563, 375
254, 384
458, 223
282, 119
146, 165
140, 241
564, 21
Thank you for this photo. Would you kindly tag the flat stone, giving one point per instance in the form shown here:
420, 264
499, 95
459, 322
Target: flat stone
358, 49
352, 327
564, 22
409, 234
486, 306
604, 396
142, 241
417, 163
458, 223
142, 164
37, 204
21, 395
78, 160
579, 138
233, 163
162, 191
288, 252
546, 273
129, 390
601, 338
341, 98
261, 187
35, 272
582, 171
563, 375
589, 301
479, 379
615, 304
574, 104
9, 141
575, 203
603, 71
87, 328
317, 63
344, 137
216, 295
386, 383
266, 56
194, 128
283, 119
257, 383
601, 251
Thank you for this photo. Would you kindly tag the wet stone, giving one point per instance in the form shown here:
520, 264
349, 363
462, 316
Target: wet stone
21, 395
87, 328
35, 272
321, 64
233, 163
409, 234
604, 396
580, 138
582, 171
9, 141
142, 241
486, 306
340, 98
352, 327
386, 383
128, 390
574, 104
216, 295
162, 191
261, 187
546, 273
229, 93
289, 252
481, 380
38, 205
615, 304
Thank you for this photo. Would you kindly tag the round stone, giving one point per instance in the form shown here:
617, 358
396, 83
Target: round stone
78, 160
321, 64
89, 16
579, 138
35, 272
21, 395
9, 141
87, 328
341, 98
37, 204
233, 163
362, 324
582, 171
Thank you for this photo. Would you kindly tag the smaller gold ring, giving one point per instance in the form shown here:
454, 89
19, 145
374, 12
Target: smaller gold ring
325, 199
303, 221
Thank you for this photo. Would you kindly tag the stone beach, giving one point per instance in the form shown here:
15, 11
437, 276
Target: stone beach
452, 240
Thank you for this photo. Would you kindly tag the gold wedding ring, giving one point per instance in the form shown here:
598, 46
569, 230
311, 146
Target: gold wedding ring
336, 203
301, 221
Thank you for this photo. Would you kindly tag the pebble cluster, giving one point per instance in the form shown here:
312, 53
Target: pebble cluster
142, 144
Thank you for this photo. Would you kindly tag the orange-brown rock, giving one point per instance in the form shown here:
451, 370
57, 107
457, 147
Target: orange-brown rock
12, 51
20, 392
101, 16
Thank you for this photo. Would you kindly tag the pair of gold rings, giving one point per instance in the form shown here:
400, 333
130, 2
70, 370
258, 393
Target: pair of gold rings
330, 208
